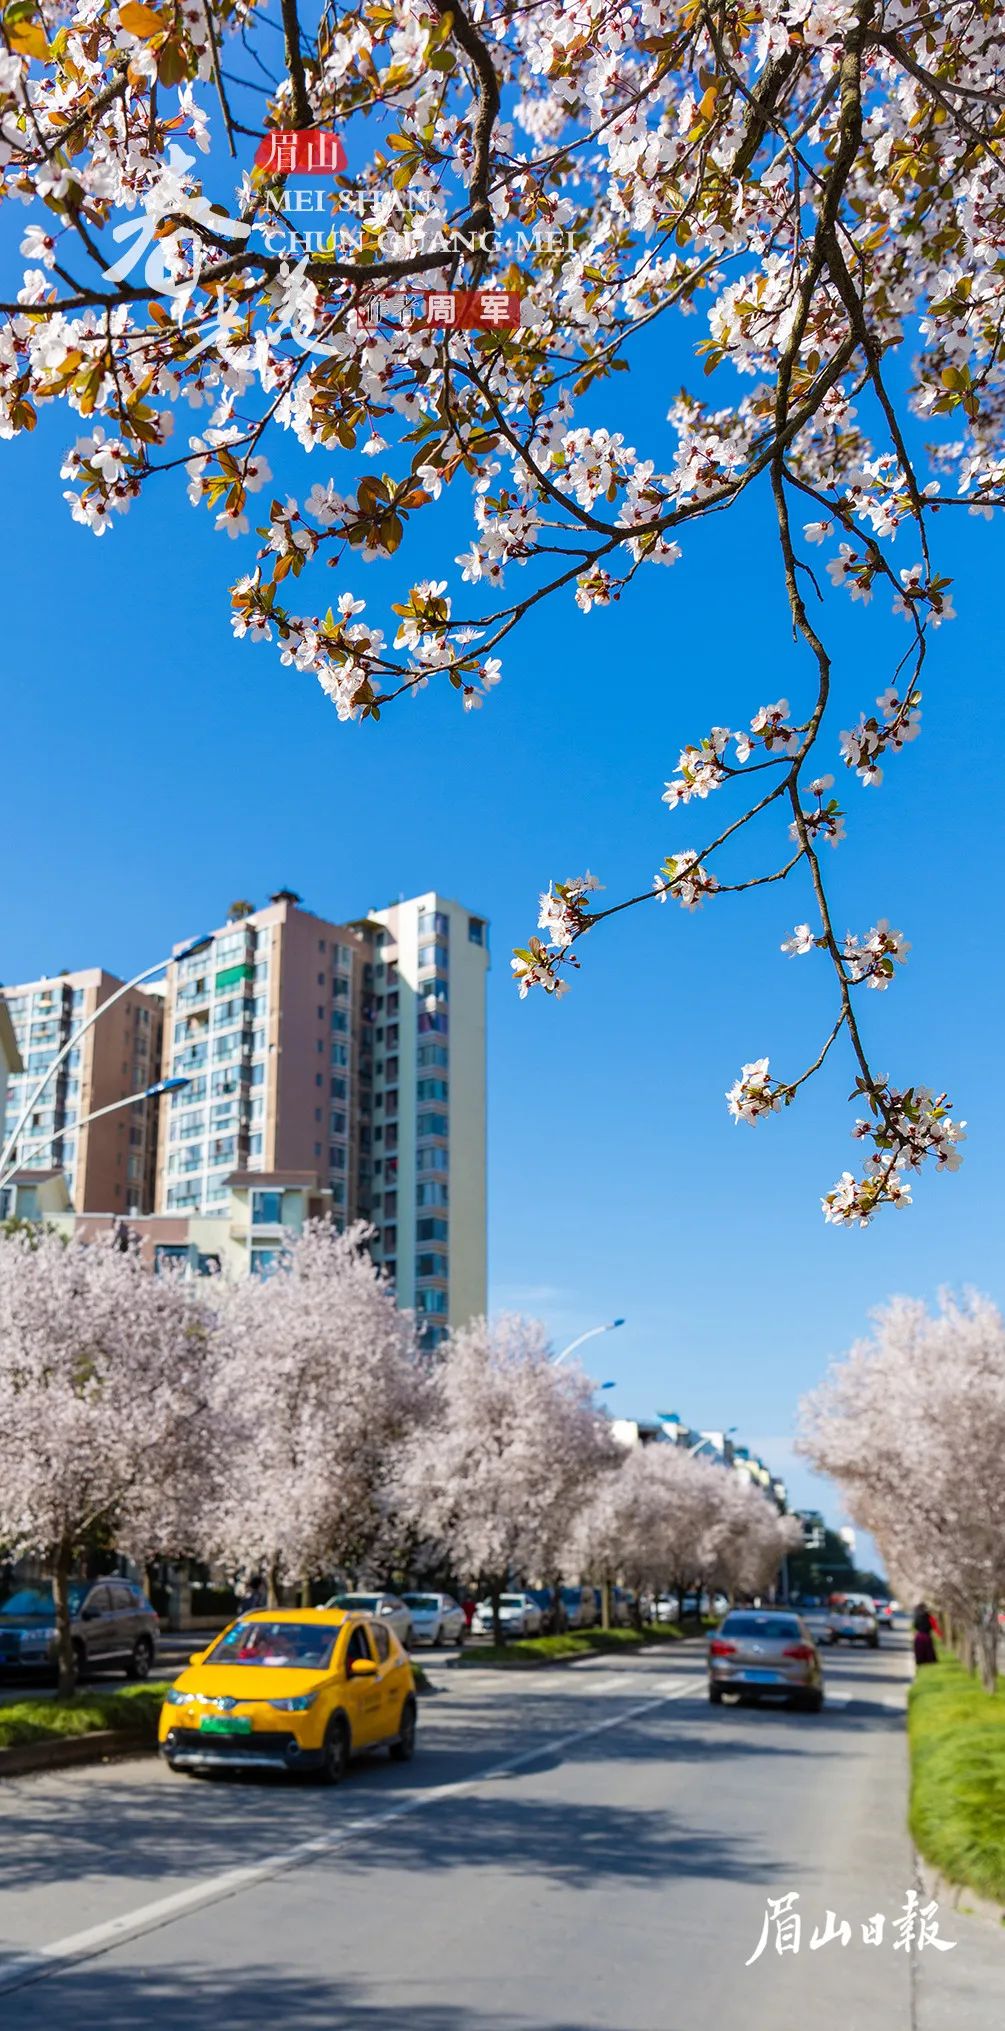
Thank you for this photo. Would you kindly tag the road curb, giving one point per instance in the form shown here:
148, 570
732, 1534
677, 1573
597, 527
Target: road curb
958, 1895
62, 1750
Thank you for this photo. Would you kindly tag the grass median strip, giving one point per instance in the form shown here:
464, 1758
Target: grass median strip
132, 1711
541, 1650
957, 1737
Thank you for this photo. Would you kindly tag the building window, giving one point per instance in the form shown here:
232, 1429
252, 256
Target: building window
266, 1209
431, 1230
432, 1124
476, 931
432, 1301
431, 1265
431, 1054
264, 1261
390, 1204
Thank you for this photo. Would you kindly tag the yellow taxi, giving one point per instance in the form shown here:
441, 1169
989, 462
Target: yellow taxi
291, 1689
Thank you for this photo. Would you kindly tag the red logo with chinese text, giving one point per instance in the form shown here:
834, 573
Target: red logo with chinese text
300, 151
472, 309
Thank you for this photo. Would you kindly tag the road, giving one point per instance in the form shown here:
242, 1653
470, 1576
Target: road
580, 1850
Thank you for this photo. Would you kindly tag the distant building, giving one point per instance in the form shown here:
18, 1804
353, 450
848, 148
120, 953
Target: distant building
429, 1100
111, 1164
321, 1067
717, 1447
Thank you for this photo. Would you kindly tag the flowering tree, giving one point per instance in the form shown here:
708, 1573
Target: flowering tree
518, 194
316, 1378
666, 1520
103, 1401
912, 1425
509, 1452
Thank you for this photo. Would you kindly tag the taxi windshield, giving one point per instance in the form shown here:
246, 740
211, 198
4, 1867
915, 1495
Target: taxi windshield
291, 1646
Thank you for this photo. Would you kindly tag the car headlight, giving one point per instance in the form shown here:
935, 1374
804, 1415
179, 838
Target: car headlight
299, 1705
177, 1699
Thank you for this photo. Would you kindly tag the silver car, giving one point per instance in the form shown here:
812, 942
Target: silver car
436, 1618
758, 1651
388, 1608
112, 1624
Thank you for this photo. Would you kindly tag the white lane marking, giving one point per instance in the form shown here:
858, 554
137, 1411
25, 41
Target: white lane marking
98, 1939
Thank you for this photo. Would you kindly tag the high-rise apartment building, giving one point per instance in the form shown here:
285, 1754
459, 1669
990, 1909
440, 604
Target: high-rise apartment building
270, 1022
109, 1166
351, 1055
429, 1148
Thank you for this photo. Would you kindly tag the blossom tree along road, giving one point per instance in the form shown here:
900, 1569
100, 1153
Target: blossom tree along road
317, 1379
824, 180
511, 1448
104, 1400
912, 1425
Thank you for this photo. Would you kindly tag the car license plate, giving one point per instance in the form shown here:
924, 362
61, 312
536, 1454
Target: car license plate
225, 1724
759, 1677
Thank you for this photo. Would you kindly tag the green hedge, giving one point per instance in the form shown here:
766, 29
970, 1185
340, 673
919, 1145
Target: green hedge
573, 1643
134, 1710
957, 1738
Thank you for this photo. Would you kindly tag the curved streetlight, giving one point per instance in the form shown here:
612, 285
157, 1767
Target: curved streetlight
34, 1148
590, 1335
184, 952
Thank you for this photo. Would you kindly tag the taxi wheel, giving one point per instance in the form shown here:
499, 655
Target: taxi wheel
335, 1752
403, 1749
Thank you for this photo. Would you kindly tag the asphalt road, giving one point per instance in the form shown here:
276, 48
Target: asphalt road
584, 1850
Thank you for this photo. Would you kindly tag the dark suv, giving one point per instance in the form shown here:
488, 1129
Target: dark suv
113, 1626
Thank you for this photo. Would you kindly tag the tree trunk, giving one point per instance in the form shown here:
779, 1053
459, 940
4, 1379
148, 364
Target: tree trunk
64, 1640
989, 1649
305, 1591
272, 1582
495, 1596
605, 1603
968, 1646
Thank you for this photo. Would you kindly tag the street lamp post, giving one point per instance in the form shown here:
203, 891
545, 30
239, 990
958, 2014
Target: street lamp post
590, 1335
149, 1093
137, 980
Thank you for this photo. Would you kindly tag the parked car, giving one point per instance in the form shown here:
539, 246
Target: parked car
112, 1625
622, 1606
436, 1618
853, 1620
580, 1607
390, 1608
519, 1615
758, 1651
666, 1608
553, 1617
884, 1613
291, 1689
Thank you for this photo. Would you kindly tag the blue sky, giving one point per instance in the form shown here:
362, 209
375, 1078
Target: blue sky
155, 769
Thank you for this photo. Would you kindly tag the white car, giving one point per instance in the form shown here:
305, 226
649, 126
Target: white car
436, 1618
853, 1620
519, 1615
389, 1608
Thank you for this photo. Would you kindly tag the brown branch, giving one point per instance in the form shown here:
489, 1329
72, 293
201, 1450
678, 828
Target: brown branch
303, 115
